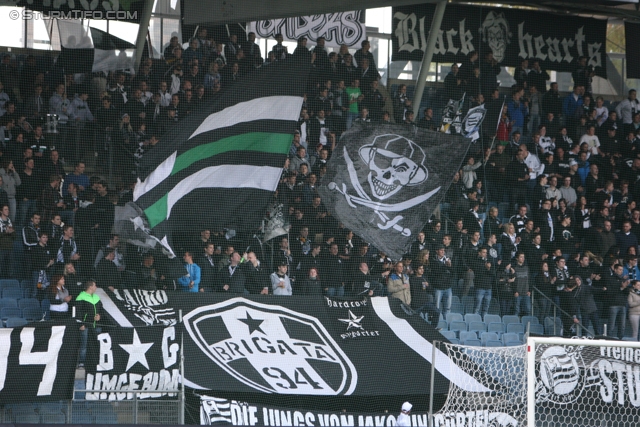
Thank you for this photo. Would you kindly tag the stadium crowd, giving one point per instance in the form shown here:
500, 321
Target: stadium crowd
548, 201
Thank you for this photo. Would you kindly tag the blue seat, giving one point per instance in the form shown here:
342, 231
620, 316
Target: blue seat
510, 319
548, 326
510, 338
494, 343
448, 334
455, 341
513, 344
478, 326
32, 314
28, 302
489, 336
8, 302
454, 317
469, 304
475, 343
15, 322
15, 293
8, 312
516, 328
466, 335
457, 308
442, 324
26, 283
536, 329
8, 283
489, 318
55, 418
81, 417
494, 306
26, 417
457, 326
496, 327
530, 319
472, 317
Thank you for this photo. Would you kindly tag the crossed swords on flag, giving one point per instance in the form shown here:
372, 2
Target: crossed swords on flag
365, 200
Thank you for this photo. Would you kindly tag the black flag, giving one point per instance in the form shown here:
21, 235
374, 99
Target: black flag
385, 180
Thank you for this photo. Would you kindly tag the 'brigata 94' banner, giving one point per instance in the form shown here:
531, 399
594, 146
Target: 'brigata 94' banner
511, 34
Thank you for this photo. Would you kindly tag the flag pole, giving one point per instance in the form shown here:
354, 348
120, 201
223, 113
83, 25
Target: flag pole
493, 140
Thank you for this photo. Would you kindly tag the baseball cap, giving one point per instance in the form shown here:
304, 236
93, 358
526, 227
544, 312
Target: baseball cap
406, 406
572, 162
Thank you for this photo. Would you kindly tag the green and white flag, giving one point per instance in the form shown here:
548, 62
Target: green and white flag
220, 167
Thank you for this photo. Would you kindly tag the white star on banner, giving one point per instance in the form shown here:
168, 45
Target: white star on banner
353, 321
137, 351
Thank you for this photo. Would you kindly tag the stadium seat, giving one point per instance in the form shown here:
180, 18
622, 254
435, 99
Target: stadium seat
27, 293
457, 308
469, 304
516, 328
536, 329
26, 417
513, 344
26, 284
478, 327
472, 317
494, 306
15, 293
510, 338
496, 327
28, 302
442, 324
454, 317
8, 284
457, 326
15, 322
8, 302
454, 341
32, 314
56, 418
510, 319
455, 298
466, 335
494, 343
530, 319
81, 417
548, 326
448, 334
489, 336
8, 312
490, 318
475, 343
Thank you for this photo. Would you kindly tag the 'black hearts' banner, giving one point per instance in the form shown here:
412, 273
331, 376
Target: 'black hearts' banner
512, 35
38, 362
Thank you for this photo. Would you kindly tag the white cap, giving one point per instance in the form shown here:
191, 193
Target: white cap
406, 407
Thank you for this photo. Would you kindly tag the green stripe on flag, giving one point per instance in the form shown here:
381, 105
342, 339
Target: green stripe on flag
157, 212
277, 143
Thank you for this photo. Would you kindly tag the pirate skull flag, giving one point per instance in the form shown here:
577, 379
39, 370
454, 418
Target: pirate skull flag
383, 181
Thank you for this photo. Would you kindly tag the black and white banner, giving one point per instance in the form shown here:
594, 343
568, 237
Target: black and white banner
512, 35
133, 359
229, 412
293, 345
591, 380
337, 28
385, 180
37, 362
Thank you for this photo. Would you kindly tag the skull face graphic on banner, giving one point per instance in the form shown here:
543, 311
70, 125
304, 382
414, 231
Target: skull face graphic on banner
384, 181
